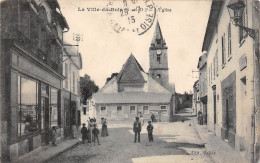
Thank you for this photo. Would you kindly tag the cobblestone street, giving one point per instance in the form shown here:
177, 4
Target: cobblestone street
173, 142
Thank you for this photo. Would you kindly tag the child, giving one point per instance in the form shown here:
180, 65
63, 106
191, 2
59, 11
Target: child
150, 131
84, 132
53, 135
95, 133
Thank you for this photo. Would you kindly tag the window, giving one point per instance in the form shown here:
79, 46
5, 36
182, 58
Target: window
132, 110
103, 110
223, 50
211, 73
66, 75
145, 110
73, 81
159, 58
243, 86
243, 22
54, 107
84, 110
214, 67
216, 57
163, 107
24, 25
28, 107
119, 109
158, 76
229, 40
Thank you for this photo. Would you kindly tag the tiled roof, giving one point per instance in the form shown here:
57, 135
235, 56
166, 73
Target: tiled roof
131, 72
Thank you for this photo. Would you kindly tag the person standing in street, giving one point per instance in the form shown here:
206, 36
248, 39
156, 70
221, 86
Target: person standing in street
95, 134
152, 117
90, 128
137, 129
104, 131
150, 131
53, 135
84, 132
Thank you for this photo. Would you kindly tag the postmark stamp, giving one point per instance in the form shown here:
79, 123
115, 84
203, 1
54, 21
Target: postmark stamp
131, 15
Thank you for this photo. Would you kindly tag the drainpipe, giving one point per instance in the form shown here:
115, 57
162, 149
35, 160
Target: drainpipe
256, 93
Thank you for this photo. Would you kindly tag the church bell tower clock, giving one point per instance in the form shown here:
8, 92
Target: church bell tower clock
159, 58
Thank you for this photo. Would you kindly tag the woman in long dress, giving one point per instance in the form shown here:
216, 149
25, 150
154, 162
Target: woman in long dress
104, 127
91, 127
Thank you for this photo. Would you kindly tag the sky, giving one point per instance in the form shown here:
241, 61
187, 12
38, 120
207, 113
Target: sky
104, 51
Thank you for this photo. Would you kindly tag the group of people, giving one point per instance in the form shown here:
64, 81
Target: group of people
91, 132
138, 127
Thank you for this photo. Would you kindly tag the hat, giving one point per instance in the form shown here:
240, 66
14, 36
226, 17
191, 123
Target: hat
84, 124
149, 121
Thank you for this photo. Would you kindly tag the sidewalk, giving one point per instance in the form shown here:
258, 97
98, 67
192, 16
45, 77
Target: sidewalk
48, 152
223, 152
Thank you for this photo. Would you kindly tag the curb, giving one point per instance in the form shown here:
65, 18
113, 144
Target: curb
60, 152
203, 140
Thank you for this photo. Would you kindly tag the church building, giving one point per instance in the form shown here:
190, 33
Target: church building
134, 92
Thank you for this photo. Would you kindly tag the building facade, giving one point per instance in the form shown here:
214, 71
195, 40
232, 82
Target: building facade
196, 98
130, 94
31, 75
71, 89
203, 87
133, 92
233, 77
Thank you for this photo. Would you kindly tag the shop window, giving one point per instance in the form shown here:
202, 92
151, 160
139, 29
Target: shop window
103, 110
145, 110
28, 120
132, 110
163, 107
54, 107
119, 109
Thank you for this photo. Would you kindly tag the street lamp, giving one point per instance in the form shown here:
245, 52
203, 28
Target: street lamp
236, 11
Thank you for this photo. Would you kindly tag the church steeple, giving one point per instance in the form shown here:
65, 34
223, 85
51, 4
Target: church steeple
159, 58
158, 40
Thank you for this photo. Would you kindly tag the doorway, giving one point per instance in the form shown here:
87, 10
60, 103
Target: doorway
45, 128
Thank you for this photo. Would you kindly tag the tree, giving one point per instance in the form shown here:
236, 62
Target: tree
87, 88
112, 75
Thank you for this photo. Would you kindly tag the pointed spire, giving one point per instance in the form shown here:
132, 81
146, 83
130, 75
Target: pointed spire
157, 36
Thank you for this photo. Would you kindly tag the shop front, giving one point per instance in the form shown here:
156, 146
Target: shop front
35, 105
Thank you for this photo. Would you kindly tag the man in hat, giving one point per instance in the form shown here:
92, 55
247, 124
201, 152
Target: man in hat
84, 132
137, 129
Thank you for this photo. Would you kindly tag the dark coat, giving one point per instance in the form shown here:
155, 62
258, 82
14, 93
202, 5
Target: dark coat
150, 128
95, 131
137, 127
84, 132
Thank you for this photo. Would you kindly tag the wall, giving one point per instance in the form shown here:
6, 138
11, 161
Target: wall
240, 62
126, 116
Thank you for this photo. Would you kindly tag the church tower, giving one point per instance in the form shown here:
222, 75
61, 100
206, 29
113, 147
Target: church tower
159, 58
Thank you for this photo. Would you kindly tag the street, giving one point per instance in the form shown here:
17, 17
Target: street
173, 142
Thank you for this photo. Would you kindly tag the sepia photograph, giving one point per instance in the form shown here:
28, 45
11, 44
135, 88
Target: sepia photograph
129, 81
